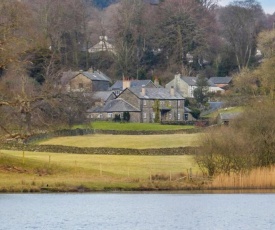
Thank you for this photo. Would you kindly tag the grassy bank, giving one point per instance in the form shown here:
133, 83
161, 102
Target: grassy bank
72, 172
105, 125
127, 141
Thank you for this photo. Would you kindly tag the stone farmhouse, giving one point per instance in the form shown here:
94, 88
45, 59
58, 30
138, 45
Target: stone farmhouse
144, 105
85, 81
186, 85
167, 104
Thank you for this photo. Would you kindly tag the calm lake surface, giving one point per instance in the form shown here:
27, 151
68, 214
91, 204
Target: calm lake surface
137, 211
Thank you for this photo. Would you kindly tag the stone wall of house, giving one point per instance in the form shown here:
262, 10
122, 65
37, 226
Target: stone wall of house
128, 96
134, 116
80, 81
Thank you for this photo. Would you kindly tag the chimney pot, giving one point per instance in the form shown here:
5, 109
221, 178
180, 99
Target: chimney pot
143, 91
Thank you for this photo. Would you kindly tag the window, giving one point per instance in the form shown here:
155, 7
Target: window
144, 102
109, 115
178, 103
178, 116
144, 115
170, 103
170, 116
186, 116
80, 86
153, 115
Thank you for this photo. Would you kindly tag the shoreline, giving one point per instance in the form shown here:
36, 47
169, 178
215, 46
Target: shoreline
56, 190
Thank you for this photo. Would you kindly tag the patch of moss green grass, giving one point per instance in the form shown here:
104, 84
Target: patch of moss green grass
120, 126
214, 114
127, 141
74, 172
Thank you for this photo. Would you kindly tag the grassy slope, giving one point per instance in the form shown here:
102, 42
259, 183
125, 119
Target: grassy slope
67, 172
127, 141
93, 171
225, 110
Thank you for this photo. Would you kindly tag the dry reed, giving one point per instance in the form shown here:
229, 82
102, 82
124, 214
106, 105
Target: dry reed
260, 178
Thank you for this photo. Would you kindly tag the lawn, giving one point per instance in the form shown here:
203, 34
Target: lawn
127, 141
104, 125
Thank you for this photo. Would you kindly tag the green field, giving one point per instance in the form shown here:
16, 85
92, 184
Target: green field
34, 170
127, 141
104, 125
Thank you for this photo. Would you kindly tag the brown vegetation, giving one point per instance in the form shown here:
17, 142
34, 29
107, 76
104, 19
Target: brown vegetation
260, 178
247, 143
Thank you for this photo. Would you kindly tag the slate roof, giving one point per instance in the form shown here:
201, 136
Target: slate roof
133, 84
156, 93
117, 105
103, 95
92, 75
187, 110
221, 80
191, 81
214, 105
228, 116
96, 76
102, 46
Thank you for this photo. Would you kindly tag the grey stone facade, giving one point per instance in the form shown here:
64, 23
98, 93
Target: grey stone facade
154, 102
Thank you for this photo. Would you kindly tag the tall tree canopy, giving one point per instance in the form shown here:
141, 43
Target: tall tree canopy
241, 22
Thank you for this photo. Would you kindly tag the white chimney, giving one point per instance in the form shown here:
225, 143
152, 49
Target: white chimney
172, 91
126, 83
143, 91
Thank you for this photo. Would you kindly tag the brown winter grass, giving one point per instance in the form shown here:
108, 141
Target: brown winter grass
127, 141
260, 178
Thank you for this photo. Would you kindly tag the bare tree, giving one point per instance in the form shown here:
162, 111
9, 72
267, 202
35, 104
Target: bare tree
241, 22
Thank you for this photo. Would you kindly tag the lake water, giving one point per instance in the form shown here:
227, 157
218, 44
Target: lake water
137, 211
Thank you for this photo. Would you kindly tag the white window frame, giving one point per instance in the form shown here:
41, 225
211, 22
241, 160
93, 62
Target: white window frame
178, 116
110, 115
144, 115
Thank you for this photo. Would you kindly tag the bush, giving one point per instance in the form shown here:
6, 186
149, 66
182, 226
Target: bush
248, 142
126, 116
117, 118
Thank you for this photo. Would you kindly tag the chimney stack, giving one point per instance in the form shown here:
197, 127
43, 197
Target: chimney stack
126, 83
156, 82
143, 91
172, 91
